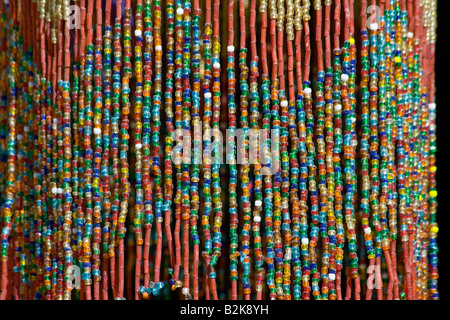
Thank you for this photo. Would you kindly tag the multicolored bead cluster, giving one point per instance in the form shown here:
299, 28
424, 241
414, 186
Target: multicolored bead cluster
146, 152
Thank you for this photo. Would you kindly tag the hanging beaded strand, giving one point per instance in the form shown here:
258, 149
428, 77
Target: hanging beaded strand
293, 154
402, 123
374, 146
329, 216
124, 145
67, 140
283, 267
178, 117
280, 146
254, 138
337, 104
196, 157
390, 117
351, 187
97, 121
58, 264
216, 150
245, 167
147, 180
432, 199
45, 287
274, 248
321, 170
138, 146
186, 103
403, 172
364, 149
156, 106
396, 148
232, 155
88, 155
299, 229
383, 82
115, 143
309, 121
167, 208
265, 145
106, 200
207, 161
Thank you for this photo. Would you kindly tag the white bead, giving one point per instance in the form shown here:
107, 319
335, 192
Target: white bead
185, 291
307, 90
337, 108
284, 103
180, 11
230, 48
331, 276
19, 137
216, 65
60, 190
97, 131
305, 241
55, 190
138, 146
258, 203
373, 26
367, 230
344, 77
432, 106
137, 33
26, 128
208, 95
410, 34
158, 48
257, 218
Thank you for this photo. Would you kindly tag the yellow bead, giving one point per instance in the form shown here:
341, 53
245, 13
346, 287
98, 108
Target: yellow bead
434, 229
433, 193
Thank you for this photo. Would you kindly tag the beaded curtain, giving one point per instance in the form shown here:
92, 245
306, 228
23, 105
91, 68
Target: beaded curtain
132, 164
